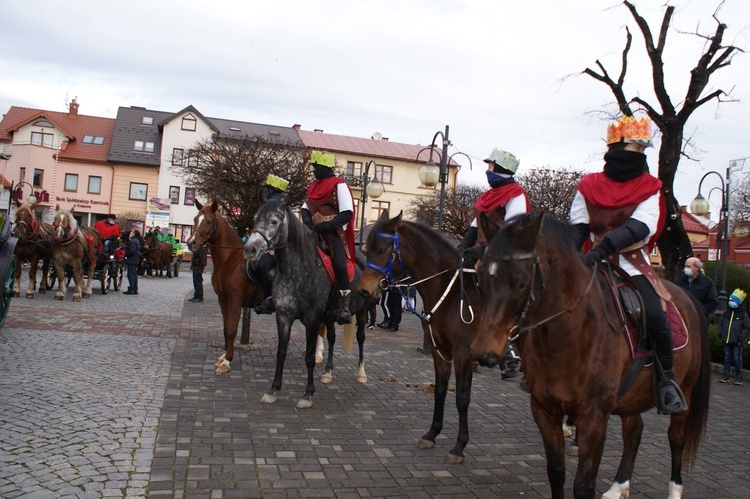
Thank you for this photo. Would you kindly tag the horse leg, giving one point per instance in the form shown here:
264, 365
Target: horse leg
231, 311
320, 345
61, 290
676, 434
550, 427
78, 278
311, 335
592, 431
361, 321
327, 376
33, 264
632, 429
283, 328
464, 367
442, 377
87, 290
17, 280
45, 274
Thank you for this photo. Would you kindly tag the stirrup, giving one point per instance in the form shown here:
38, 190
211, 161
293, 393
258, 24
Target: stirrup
662, 389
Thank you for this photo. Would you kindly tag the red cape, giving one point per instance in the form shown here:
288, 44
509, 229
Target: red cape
496, 197
602, 191
320, 190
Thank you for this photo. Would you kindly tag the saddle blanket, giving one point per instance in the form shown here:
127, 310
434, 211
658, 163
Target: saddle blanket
328, 264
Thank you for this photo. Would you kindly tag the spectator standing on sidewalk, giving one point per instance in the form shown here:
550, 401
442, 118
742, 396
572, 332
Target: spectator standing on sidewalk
734, 328
198, 265
132, 260
694, 279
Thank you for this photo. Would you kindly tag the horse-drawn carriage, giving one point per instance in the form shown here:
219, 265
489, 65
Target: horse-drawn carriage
109, 271
7, 266
160, 255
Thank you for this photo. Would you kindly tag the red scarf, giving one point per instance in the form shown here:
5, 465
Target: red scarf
497, 197
602, 191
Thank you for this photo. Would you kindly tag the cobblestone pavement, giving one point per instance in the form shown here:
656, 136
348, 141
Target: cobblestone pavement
117, 396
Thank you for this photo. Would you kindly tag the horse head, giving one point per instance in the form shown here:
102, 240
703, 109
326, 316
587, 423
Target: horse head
26, 224
270, 229
204, 225
64, 224
383, 256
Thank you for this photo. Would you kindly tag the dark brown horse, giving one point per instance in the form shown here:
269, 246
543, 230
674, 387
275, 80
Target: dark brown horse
158, 255
76, 247
229, 280
34, 244
395, 246
575, 354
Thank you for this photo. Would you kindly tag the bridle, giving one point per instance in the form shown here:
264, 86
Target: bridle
386, 271
207, 236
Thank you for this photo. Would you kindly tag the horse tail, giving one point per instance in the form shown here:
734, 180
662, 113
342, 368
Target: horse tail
695, 426
349, 337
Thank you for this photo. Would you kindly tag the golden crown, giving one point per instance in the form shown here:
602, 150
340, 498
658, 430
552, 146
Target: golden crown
629, 129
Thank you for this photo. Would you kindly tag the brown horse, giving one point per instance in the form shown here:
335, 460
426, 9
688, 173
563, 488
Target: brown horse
395, 246
575, 354
158, 255
76, 247
228, 278
34, 244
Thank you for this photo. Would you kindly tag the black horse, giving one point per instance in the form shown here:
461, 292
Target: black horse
302, 291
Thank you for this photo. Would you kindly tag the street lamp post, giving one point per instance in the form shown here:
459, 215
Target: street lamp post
374, 189
699, 207
429, 175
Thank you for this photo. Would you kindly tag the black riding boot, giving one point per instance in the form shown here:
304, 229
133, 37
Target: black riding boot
267, 275
344, 315
671, 398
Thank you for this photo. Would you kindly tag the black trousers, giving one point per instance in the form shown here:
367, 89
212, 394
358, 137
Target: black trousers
339, 264
656, 322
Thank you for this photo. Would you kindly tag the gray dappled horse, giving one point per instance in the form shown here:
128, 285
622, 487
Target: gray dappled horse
302, 291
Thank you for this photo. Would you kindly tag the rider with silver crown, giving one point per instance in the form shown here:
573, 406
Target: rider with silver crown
328, 210
620, 213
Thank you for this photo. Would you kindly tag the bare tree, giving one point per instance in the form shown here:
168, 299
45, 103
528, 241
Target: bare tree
458, 211
550, 191
674, 244
233, 173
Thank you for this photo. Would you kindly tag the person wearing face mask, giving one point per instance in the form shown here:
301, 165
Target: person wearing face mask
504, 200
327, 211
734, 328
266, 265
693, 279
619, 214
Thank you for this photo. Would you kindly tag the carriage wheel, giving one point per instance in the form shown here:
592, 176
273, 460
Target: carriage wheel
106, 282
7, 290
51, 277
117, 272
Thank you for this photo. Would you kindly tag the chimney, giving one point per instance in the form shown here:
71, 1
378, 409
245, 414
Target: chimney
73, 108
297, 126
319, 130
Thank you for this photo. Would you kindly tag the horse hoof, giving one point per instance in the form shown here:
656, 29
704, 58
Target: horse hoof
362, 379
220, 360
76, 298
42, 291
318, 359
29, 296
425, 444
304, 404
223, 368
15, 294
59, 297
567, 431
454, 459
326, 378
268, 399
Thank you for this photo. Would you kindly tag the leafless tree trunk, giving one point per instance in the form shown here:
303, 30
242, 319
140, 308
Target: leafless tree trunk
674, 244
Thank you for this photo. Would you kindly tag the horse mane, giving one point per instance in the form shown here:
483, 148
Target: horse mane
299, 234
72, 222
28, 207
558, 234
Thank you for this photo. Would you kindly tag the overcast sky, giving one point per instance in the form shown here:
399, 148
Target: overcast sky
500, 73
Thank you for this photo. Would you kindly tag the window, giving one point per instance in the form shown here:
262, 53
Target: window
147, 120
189, 196
38, 177
174, 194
143, 146
377, 208
177, 155
42, 139
71, 182
385, 174
138, 191
192, 159
95, 185
354, 168
22, 174
42, 123
93, 139
189, 123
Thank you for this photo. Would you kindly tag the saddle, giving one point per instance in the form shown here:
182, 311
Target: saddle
327, 261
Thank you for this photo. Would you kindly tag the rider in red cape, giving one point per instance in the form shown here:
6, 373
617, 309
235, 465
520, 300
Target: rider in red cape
504, 200
621, 212
328, 210
108, 230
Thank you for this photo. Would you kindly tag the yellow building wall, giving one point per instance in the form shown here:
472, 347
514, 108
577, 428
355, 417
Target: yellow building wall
124, 175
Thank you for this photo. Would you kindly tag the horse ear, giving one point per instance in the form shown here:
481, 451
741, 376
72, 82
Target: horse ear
198, 205
57, 208
383, 216
526, 235
214, 207
487, 226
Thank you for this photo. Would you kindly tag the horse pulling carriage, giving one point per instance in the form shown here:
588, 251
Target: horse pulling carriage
160, 256
109, 271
